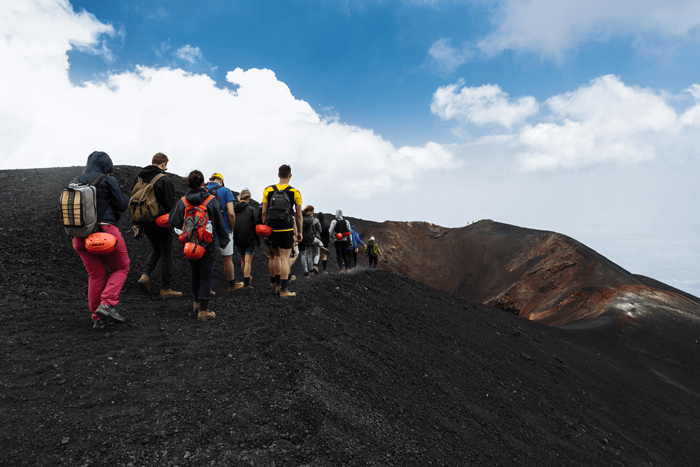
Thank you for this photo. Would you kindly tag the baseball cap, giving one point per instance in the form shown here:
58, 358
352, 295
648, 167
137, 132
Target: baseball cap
219, 176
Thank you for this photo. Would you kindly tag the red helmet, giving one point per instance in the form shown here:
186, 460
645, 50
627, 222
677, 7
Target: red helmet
339, 236
263, 230
183, 238
162, 221
193, 252
347, 234
101, 243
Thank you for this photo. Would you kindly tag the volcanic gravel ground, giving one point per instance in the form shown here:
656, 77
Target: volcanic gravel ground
367, 368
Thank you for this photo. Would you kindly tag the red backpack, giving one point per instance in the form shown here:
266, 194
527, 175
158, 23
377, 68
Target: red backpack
197, 230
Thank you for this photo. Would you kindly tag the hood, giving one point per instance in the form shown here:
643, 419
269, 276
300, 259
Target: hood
196, 196
147, 173
239, 206
353, 228
339, 214
98, 163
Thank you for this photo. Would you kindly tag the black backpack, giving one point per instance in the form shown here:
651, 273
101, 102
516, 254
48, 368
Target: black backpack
213, 192
341, 226
279, 209
370, 248
307, 233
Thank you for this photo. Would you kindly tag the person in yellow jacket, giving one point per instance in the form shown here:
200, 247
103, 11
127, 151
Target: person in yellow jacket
373, 252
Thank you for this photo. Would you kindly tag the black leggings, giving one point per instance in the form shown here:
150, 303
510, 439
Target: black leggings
373, 261
341, 254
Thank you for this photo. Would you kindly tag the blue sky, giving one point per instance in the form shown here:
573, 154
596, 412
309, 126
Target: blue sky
577, 117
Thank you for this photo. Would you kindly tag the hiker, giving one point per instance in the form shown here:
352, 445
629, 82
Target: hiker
280, 202
153, 185
341, 227
225, 198
203, 267
244, 236
353, 248
373, 252
103, 291
325, 240
311, 242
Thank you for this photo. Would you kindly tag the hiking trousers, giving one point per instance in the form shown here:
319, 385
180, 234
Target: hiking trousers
101, 288
341, 254
352, 258
161, 249
307, 260
202, 273
373, 261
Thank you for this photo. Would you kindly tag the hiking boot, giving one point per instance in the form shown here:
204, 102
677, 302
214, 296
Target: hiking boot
316, 270
325, 250
236, 286
99, 324
195, 307
277, 289
247, 287
204, 315
292, 279
165, 293
286, 293
108, 311
213, 294
145, 283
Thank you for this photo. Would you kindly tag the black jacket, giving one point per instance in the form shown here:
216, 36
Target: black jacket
163, 188
247, 217
197, 197
110, 199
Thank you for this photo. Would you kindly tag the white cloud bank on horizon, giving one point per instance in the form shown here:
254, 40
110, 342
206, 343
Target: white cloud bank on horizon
47, 121
551, 27
604, 121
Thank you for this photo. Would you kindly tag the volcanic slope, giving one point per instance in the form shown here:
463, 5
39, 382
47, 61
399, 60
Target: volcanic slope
368, 368
539, 275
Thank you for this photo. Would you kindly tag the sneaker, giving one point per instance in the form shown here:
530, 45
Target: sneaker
145, 283
213, 294
286, 293
236, 286
247, 287
195, 307
108, 311
277, 289
204, 315
165, 293
316, 270
292, 279
325, 250
99, 324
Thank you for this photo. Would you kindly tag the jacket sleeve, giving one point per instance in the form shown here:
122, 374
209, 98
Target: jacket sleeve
116, 196
217, 220
359, 240
177, 215
317, 228
331, 229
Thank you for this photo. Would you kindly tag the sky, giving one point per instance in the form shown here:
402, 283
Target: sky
577, 117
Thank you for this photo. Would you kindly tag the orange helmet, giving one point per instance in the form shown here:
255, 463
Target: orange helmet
183, 238
162, 221
101, 243
193, 252
339, 236
263, 230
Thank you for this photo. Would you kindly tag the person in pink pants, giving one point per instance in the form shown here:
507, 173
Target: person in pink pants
105, 285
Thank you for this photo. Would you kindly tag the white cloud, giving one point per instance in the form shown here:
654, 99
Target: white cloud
245, 134
445, 59
481, 105
189, 53
604, 121
551, 27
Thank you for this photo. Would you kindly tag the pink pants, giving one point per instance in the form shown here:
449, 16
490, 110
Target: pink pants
102, 289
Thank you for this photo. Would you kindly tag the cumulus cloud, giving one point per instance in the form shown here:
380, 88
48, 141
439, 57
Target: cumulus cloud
551, 27
604, 121
245, 134
189, 53
445, 59
481, 105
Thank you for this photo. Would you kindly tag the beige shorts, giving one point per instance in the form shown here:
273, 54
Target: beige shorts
228, 251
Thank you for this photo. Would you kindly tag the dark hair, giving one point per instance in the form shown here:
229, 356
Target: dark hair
285, 171
308, 208
159, 159
195, 179
321, 218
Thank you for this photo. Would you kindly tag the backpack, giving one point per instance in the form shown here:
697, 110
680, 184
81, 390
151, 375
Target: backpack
213, 192
307, 233
197, 230
342, 226
279, 211
370, 248
79, 207
143, 205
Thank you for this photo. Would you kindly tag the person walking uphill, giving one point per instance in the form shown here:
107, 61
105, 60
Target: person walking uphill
151, 179
103, 291
352, 249
341, 227
373, 252
225, 197
244, 236
199, 199
278, 202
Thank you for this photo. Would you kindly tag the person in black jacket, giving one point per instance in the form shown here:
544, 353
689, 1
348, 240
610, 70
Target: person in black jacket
105, 286
203, 268
244, 237
161, 238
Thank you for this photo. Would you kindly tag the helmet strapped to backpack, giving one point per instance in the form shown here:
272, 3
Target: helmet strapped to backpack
100, 243
197, 229
162, 220
263, 231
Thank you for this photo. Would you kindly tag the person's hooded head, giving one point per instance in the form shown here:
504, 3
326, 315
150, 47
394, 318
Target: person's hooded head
339, 214
97, 163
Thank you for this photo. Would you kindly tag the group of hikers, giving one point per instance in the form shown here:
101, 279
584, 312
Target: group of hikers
210, 221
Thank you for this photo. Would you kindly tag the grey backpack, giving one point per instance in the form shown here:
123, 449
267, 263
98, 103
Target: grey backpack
79, 208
